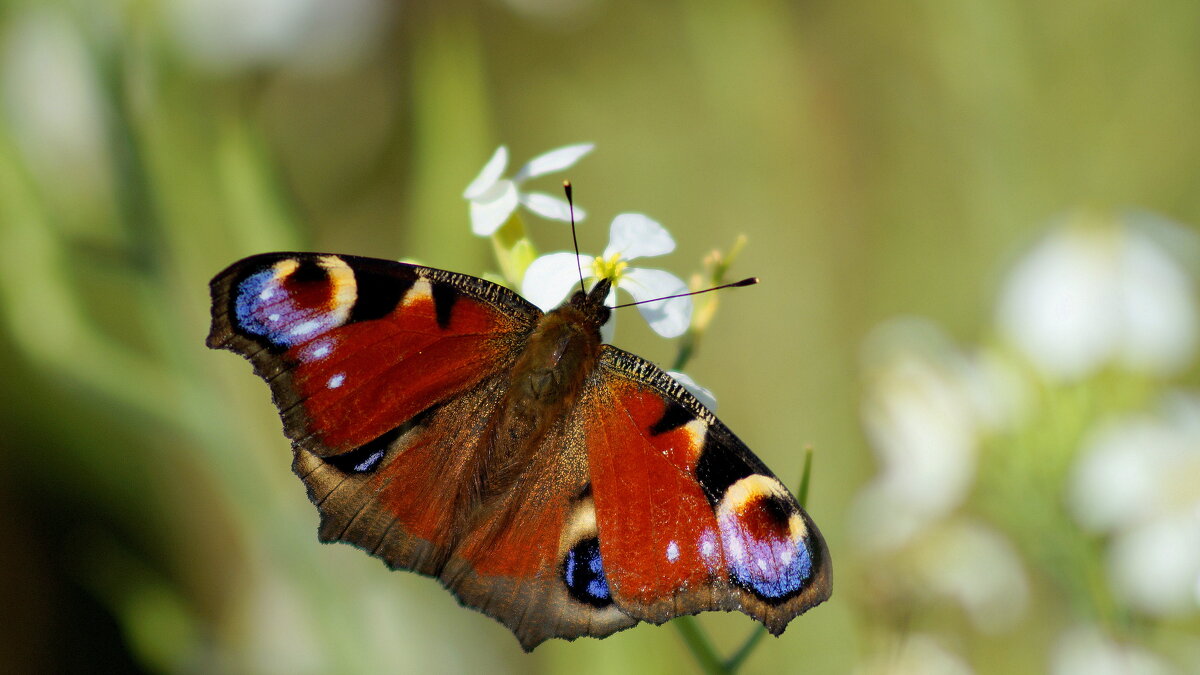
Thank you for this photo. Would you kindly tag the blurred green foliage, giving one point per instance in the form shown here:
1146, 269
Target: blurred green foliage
882, 159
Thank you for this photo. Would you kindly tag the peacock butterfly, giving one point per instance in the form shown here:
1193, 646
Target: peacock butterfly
555, 483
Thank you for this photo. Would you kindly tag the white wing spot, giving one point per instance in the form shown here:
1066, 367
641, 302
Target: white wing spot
272, 317
672, 552
336, 381
735, 549
306, 327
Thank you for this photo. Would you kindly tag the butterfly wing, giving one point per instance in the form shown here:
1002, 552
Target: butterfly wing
354, 347
364, 356
688, 518
517, 556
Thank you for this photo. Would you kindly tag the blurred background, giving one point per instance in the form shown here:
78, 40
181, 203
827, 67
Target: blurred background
974, 223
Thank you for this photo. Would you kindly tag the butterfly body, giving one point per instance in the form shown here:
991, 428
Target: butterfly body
558, 484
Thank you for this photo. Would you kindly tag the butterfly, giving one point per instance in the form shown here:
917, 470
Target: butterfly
558, 484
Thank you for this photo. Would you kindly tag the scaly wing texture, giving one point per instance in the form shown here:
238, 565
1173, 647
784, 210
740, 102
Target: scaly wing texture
521, 556
360, 352
688, 518
354, 347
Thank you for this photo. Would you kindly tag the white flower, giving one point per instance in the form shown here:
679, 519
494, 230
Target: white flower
1095, 291
53, 103
920, 417
1156, 565
551, 277
918, 654
493, 199
311, 34
978, 569
1086, 650
1136, 480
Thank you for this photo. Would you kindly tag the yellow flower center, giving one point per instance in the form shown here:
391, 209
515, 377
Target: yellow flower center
610, 268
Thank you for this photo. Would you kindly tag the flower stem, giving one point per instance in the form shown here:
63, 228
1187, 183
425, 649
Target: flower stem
700, 646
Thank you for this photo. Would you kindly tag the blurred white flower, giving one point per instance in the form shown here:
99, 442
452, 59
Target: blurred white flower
269, 614
920, 419
1137, 480
1088, 651
554, 13
53, 102
978, 569
1156, 566
918, 655
493, 199
1095, 291
551, 277
703, 395
311, 34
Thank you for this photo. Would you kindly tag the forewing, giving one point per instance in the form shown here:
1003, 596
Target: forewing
364, 356
355, 347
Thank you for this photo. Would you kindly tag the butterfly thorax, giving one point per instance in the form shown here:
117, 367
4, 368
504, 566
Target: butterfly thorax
546, 380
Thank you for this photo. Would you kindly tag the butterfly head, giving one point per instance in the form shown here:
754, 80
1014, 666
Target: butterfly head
592, 304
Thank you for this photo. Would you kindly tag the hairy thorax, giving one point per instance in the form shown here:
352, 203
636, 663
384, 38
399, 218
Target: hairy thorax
546, 380
544, 386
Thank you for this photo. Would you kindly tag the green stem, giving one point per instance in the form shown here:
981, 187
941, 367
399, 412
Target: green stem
700, 646
739, 657
687, 347
802, 493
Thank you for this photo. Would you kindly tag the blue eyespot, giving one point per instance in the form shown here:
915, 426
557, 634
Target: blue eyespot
765, 545
772, 569
583, 573
268, 307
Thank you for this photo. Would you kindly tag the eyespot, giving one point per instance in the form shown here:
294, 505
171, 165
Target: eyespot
764, 537
583, 574
295, 300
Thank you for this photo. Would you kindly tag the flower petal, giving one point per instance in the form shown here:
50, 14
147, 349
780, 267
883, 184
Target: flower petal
551, 277
489, 175
550, 207
1087, 650
668, 318
609, 329
1155, 565
555, 160
1157, 306
490, 211
635, 235
703, 395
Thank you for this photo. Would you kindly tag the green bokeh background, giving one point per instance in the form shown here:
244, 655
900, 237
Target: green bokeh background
882, 159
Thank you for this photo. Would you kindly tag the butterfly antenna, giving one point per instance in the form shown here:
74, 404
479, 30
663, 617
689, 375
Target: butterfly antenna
750, 281
574, 239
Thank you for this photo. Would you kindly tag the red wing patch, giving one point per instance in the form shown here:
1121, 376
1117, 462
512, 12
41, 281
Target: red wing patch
658, 533
688, 518
363, 379
355, 347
